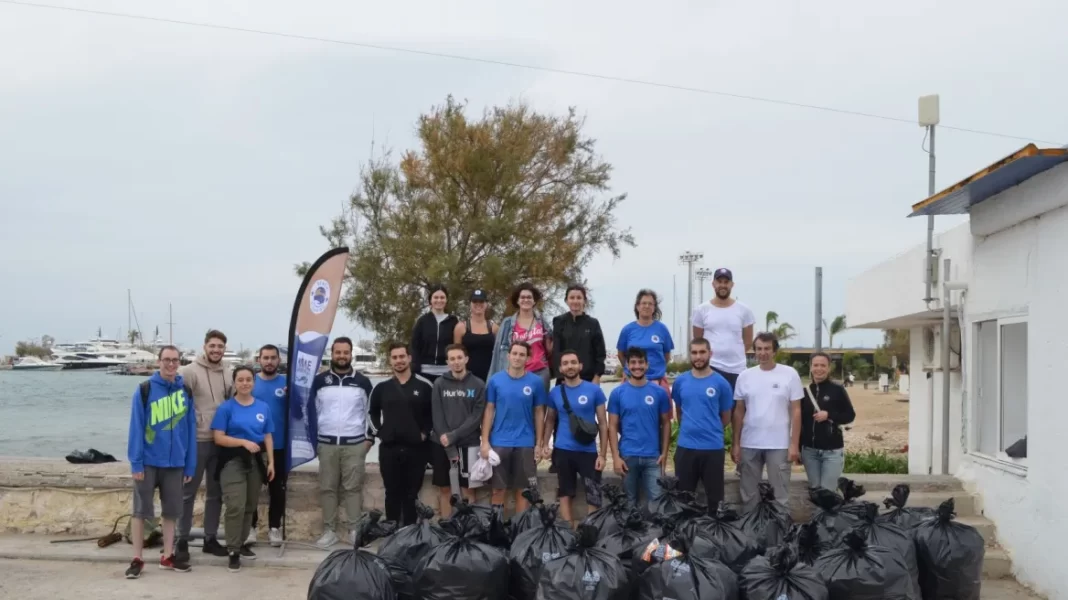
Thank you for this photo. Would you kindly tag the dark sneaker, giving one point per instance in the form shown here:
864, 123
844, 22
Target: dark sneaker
182, 552
171, 563
136, 565
235, 562
213, 547
246, 552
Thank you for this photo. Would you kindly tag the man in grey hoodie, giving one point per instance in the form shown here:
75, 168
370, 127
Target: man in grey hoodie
212, 383
456, 402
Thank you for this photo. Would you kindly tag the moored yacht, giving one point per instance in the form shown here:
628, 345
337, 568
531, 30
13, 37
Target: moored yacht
32, 363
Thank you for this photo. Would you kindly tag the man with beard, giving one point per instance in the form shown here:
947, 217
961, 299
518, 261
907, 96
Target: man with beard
400, 416
727, 325
211, 383
639, 429
338, 405
457, 402
270, 387
707, 399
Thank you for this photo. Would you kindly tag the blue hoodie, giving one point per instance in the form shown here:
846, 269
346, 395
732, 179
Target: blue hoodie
163, 431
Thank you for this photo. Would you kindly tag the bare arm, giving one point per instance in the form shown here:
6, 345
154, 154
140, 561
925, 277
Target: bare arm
613, 436
747, 337
487, 423
545, 432
539, 423
739, 419
602, 427
724, 417
795, 424
458, 332
268, 444
698, 332
221, 439
622, 358
665, 434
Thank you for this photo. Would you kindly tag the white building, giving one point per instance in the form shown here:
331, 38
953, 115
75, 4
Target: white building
1008, 349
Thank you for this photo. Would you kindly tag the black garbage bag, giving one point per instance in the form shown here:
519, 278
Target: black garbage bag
585, 573
832, 523
355, 574
779, 574
682, 575
722, 530
851, 493
547, 540
613, 512
858, 571
905, 517
482, 523
408, 545
950, 556
636, 531
464, 567
529, 517
672, 502
806, 541
659, 549
767, 521
890, 536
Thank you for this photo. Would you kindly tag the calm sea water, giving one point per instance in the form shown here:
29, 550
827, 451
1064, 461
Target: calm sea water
52, 414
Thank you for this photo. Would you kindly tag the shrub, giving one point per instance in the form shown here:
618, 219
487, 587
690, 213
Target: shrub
876, 462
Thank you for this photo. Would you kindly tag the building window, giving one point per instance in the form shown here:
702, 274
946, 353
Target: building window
1001, 385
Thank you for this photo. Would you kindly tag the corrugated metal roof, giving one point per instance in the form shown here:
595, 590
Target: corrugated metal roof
991, 181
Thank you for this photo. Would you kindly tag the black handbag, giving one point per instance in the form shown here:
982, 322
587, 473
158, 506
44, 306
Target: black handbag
583, 431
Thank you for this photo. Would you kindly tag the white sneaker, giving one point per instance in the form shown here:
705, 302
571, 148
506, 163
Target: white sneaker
328, 539
352, 538
274, 536
251, 541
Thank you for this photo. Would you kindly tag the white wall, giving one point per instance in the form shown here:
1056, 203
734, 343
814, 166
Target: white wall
921, 391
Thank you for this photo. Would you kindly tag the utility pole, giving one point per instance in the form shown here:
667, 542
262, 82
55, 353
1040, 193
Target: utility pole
674, 305
170, 324
703, 274
819, 309
689, 258
929, 116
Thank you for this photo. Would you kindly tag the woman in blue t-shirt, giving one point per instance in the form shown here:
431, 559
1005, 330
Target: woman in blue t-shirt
242, 428
649, 334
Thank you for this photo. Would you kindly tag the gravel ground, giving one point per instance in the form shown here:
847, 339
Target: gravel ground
882, 421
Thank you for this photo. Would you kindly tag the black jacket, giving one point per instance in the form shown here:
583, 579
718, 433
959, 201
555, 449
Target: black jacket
583, 335
401, 413
834, 399
429, 339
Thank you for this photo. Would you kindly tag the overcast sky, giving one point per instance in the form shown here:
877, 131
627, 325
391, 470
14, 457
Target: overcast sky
194, 166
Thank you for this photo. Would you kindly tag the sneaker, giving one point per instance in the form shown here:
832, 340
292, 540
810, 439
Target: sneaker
328, 539
352, 538
135, 568
182, 552
171, 563
235, 562
213, 547
246, 552
251, 541
274, 536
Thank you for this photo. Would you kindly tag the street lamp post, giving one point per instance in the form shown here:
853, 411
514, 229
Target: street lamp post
689, 258
703, 274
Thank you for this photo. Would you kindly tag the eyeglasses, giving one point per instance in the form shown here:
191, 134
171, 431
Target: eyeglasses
170, 361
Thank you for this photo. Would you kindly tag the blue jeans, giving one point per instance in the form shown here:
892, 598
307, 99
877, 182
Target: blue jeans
642, 473
823, 467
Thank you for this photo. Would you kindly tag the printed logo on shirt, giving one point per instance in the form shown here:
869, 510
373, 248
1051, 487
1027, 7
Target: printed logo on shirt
710, 392
415, 392
775, 386
280, 392
259, 417
649, 400
526, 390
583, 400
329, 380
320, 296
656, 339
826, 398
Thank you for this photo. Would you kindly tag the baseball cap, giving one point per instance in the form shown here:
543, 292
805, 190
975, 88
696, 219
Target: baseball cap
723, 273
478, 296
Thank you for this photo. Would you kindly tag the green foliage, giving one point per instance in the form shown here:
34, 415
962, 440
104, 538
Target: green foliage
32, 348
674, 444
678, 366
512, 196
801, 366
895, 344
876, 462
837, 325
783, 331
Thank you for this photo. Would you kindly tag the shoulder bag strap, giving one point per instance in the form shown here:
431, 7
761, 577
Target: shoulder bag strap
808, 392
563, 395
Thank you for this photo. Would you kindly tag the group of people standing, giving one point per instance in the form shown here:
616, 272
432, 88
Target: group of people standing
467, 389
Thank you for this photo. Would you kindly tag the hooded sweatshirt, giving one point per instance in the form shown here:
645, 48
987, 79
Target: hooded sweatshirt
212, 384
430, 337
163, 430
456, 406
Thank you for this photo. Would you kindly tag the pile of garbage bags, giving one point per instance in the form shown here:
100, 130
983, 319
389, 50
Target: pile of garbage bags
671, 548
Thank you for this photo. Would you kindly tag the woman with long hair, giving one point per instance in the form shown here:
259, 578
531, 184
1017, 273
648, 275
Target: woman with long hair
527, 325
242, 428
823, 412
431, 334
580, 333
649, 334
477, 334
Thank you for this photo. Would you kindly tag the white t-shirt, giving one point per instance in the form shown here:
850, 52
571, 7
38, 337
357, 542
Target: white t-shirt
723, 330
767, 396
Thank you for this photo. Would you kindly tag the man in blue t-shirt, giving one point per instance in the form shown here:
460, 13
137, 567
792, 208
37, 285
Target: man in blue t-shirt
573, 458
639, 428
706, 398
271, 388
512, 424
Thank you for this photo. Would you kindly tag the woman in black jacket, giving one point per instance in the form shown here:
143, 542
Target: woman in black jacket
581, 333
431, 334
825, 408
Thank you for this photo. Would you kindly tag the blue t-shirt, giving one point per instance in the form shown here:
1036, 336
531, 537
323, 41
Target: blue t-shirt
639, 410
584, 400
655, 339
701, 401
272, 391
252, 422
513, 401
